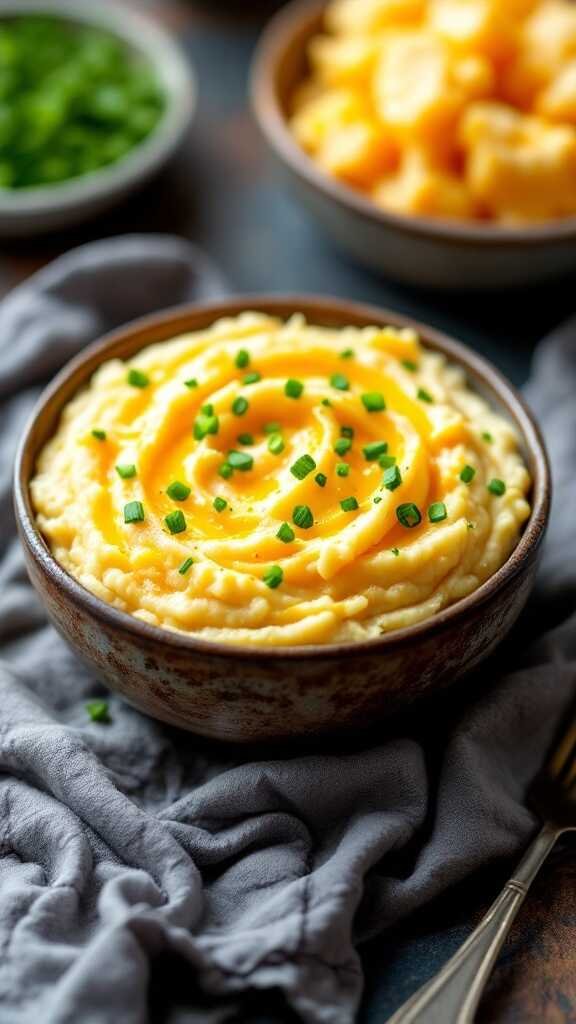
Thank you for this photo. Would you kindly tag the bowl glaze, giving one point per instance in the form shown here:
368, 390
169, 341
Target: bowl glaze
248, 694
414, 250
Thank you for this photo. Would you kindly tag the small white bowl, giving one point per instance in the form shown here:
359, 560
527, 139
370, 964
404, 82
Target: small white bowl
44, 208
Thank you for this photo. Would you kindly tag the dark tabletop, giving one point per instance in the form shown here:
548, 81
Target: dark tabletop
222, 193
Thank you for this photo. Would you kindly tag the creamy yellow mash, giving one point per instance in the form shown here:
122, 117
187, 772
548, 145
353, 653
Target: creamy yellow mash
270, 483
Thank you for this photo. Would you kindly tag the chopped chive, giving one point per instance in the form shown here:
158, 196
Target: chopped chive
100, 435
302, 467
340, 382
377, 499
326, 402
349, 504
126, 471
373, 401
342, 469
487, 437
424, 396
206, 424
471, 526
497, 487
273, 577
207, 410
186, 566
252, 378
467, 475
392, 478
175, 521
293, 388
275, 444
225, 470
98, 710
437, 512
138, 379
395, 552
408, 515
321, 479
242, 359
303, 517
374, 450
272, 428
245, 439
347, 353
240, 405
347, 432
286, 533
385, 461
178, 491
240, 460
342, 445
192, 383
220, 504
134, 512
409, 365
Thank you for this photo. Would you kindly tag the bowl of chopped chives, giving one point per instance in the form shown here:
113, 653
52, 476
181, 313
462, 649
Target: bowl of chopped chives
94, 100
290, 539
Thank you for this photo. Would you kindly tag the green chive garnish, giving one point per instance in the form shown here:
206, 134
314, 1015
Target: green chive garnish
347, 432
272, 428
347, 353
225, 470
467, 475
275, 444
175, 521
497, 487
286, 533
385, 461
349, 504
395, 552
240, 460
100, 435
410, 365
326, 402
408, 515
220, 504
242, 359
321, 479
127, 471
302, 467
392, 478
487, 437
245, 439
134, 512
374, 450
302, 516
192, 383
178, 491
137, 379
207, 409
293, 388
273, 577
437, 512
340, 382
98, 710
424, 396
342, 469
252, 378
240, 405
342, 445
377, 500
374, 402
206, 423
186, 566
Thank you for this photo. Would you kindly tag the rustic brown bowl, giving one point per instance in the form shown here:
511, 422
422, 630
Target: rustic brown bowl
415, 250
245, 694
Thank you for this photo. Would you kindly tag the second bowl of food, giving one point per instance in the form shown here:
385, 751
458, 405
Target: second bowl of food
272, 517
434, 139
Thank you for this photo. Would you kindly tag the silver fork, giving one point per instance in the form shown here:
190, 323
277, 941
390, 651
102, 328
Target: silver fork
452, 996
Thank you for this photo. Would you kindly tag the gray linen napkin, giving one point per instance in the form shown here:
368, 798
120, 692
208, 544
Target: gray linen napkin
124, 841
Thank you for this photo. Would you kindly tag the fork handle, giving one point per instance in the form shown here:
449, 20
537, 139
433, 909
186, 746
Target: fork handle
452, 996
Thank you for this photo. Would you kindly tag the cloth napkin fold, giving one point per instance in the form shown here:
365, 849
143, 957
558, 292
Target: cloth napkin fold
121, 842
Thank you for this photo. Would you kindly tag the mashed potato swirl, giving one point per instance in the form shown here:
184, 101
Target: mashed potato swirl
277, 483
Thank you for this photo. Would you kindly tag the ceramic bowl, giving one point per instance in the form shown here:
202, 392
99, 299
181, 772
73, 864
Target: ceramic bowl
45, 208
246, 694
413, 250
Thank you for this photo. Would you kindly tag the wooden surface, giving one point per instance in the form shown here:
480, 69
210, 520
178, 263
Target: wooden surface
222, 193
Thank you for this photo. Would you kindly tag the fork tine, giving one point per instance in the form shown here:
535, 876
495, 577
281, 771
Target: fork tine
563, 763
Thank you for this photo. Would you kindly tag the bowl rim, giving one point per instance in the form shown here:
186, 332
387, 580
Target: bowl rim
291, 22
125, 341
149, 39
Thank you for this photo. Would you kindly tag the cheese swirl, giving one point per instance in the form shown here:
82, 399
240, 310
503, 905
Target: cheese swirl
257, 419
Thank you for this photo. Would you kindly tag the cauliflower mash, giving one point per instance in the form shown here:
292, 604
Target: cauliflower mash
447, 108
270, 483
